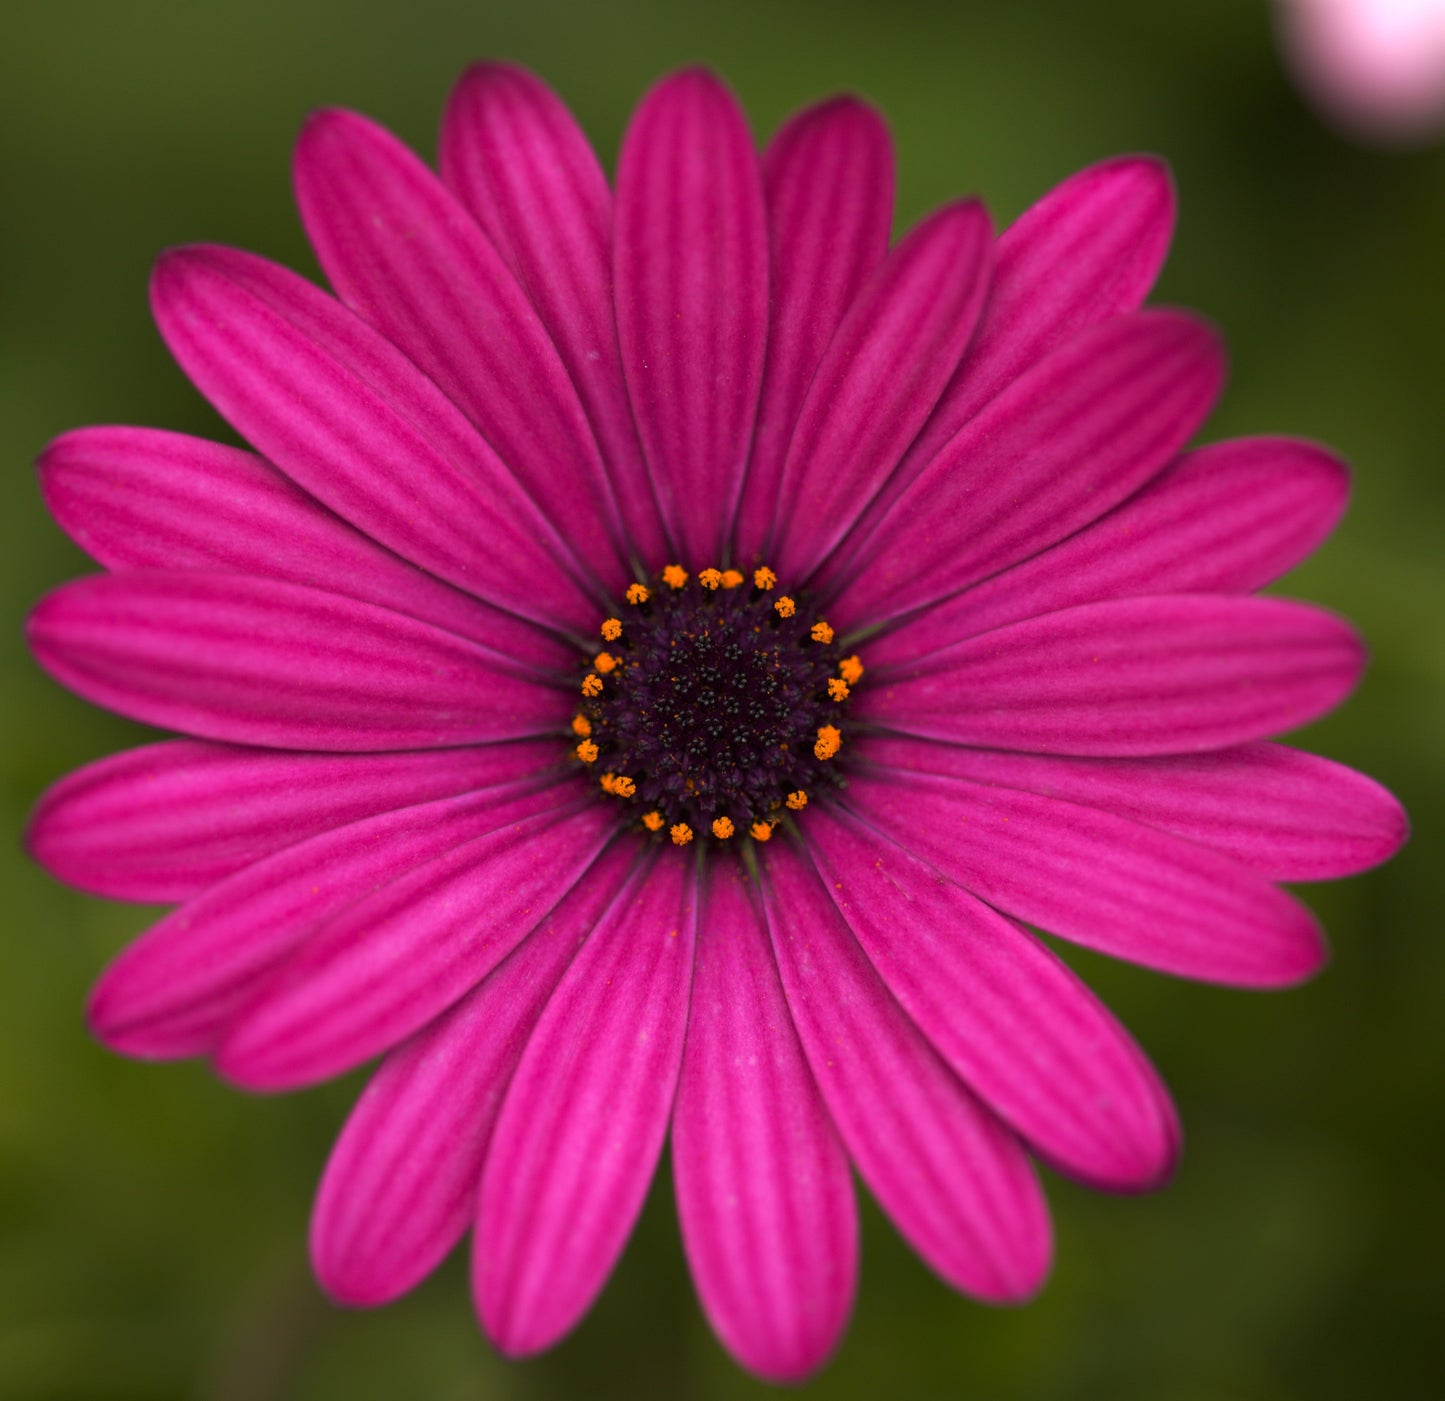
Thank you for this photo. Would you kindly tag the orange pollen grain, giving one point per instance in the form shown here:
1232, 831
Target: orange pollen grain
605, 662
821, 632
830, 741
764, 578
797, 800
731, 578
623, 786
638, 593
653, 821
591, 685
587, 752
722, 828
674, 576
611, 629
680, 833
581, 726
761, 831
786, 607
837, 689
851, 669
710, 578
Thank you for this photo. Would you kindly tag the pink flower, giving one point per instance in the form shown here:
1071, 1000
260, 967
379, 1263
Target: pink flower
661, 654
1376, 66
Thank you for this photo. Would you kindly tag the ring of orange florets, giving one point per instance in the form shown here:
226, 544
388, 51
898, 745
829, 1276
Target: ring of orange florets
715, 706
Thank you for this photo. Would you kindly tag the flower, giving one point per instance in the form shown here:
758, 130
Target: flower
661, 653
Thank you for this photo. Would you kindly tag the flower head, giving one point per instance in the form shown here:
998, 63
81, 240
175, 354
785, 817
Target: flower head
918, 624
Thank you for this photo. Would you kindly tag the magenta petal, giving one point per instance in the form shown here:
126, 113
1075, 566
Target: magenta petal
170, 992
522, 166
138, 498
343, 413
1074, 436
1228, 518
763, 1190
232, 657
953, 1179
828, 176
1289, 815
1003, 1011
585, 1116
163, 822
1129, 677
398, 956
400, 1187
408, 258
878, 381
691, 267
1097, 879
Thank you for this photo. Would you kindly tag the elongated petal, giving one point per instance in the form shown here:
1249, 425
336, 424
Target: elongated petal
171, 992
879, 379
1003, 1011
691, 269
828, 177
139, 498
952, 1178
407, 257
1089, 250
1099, 880
763, 1191
163, 822
1228, 518
1130, 677
585, 1116
233, 657
343, 413
1076, 435
520, 163
1290, 815
400, 1187
384, 966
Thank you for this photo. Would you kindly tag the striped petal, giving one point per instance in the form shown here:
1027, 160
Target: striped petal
585, 1116
691, 270
763, 1190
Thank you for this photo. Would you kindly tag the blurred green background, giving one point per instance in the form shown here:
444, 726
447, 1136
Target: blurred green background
152, 1222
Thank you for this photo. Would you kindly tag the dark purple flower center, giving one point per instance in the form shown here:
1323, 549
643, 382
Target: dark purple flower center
716, 706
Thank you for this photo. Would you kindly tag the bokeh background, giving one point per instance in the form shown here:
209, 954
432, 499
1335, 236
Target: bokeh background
152, 1221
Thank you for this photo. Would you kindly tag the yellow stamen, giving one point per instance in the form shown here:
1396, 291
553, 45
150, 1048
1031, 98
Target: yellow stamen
851, 669
587, 752
612, 629
722, 828
761, 831
731, 578
764, 578
608, 782
830, 741
680, 833
605, 662
581, 726
837, 689
653, 821
623, 786
674, 576
821, 632
638, 593
710, 578
591, 685
785, 607
797, 800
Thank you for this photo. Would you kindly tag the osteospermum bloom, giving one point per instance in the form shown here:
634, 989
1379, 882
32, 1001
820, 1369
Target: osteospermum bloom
663, 650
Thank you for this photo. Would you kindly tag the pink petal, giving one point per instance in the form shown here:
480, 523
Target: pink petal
138, 498
400, 1187
1008, 1017
233, 657
408, 258
1089, 250
385, 965
691, 269
344, 414
1129, 677
584, 1119
163, 822
763, 1190
1065, 442
879, 379
828, 176
953, 1179
172, 991
1228, 518
1097, 879
522, 166
1289, 815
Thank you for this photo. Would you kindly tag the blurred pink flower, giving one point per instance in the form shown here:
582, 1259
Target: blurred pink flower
1376, 66
530, 748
